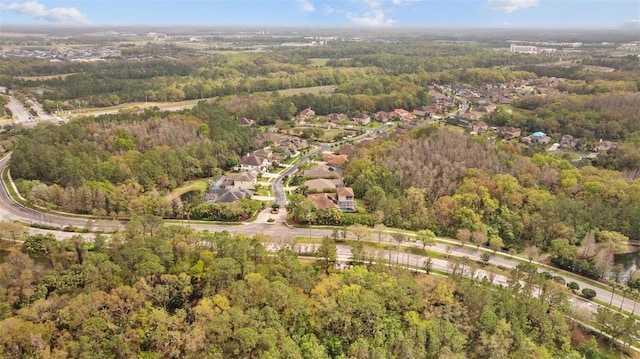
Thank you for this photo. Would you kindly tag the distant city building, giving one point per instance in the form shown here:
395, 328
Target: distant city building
522, 49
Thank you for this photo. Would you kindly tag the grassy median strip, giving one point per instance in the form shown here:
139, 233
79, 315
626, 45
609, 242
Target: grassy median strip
7, 184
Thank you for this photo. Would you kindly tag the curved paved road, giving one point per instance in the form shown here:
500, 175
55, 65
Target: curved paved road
278, 189
280, 231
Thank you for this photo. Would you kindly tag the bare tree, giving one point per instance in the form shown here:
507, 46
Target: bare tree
399, 238
532, 252
479, 238
463, 235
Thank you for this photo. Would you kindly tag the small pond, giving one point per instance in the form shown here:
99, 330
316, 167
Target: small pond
630, 262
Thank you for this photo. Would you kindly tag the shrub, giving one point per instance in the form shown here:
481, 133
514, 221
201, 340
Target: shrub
573, 286
588, 293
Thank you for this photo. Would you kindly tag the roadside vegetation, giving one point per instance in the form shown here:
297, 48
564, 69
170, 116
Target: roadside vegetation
223, 295
166, 291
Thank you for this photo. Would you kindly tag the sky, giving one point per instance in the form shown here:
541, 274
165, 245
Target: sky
588, 14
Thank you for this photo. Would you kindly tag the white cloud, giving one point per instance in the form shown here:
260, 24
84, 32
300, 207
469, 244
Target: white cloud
37, 10
633, 24
510, 6
400, 2
371, 3
332, 10
307, 6
373, 18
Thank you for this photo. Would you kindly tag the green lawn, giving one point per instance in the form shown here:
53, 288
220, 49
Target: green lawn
44, 77
307, 240
308, 90
12, 192
264, 191
319, 61
163, 106
374, 124
291, 160
195, 185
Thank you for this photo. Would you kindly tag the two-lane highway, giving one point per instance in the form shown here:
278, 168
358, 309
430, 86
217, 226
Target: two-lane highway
10, 210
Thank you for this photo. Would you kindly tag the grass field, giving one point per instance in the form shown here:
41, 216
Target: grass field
179, 105
307, 240
310, 90
47, 77
195, 45
195, 185
164, 106
320, 61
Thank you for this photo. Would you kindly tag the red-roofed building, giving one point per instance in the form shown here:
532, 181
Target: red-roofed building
402, 114
334, 160
342, 199
306, 114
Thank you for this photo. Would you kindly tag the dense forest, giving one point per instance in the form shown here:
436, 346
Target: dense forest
120, 164
610, 115
400, 70
167, 292
490, 194
466, 182
439, 179
158, 291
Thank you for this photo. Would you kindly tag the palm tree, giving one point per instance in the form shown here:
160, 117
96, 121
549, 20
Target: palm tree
634, 297
625, 290
613, 284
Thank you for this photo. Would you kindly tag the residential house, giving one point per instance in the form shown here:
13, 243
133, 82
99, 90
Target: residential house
382, 116
346, 199
509, 132
487, 108
271, 138
346, 150
343, 199
306, 114
568, 141
503, 99
323, 184
540, 137
284, 144
526, 139
242, 180
334, 160
457, 121
434, 110
264, 152
322, 171
422, 111
363, 119
323, 200
438, 97
245, 122
292, 144
402, 114
252, 162
473, 115
605, 145
479, 127
537, 137
336, 117
227, 195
